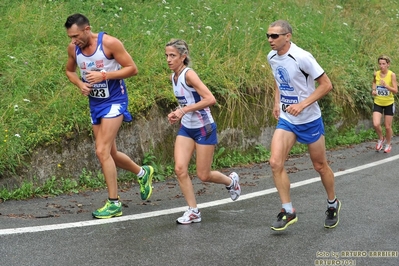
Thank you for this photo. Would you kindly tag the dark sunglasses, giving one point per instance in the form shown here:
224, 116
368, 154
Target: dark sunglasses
275, 35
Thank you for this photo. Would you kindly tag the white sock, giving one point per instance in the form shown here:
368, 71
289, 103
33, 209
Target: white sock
288, 207
114, 201
332, 203
231, 184
141, 173
194, 209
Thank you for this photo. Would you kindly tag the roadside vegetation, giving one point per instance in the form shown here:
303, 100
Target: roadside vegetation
38, 105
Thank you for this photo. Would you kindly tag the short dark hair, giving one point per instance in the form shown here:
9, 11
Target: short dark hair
78, 19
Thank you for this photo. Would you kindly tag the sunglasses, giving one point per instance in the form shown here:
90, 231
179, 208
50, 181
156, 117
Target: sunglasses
275, 35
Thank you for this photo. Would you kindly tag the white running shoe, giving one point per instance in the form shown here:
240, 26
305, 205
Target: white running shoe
190, 216
387, 148
235, 189
380, 144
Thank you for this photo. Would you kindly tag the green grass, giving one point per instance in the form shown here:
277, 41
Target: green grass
38, 105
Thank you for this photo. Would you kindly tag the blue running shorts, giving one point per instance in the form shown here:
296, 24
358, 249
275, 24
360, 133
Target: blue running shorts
206, 135
305, 133
110, 111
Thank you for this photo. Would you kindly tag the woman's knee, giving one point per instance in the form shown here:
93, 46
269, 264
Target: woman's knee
181, 171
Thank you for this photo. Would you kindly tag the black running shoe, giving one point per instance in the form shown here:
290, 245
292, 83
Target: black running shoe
332, 218
284, 219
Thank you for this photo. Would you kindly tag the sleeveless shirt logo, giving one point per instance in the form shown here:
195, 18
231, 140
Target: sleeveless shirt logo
182, 100
283, 79
100, 64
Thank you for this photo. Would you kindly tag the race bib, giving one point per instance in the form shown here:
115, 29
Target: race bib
382, 91
100, 90
286, 101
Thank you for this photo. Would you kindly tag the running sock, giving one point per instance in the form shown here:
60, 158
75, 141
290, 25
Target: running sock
332, 203
288, 207
231, 185
194, 209
114, 201
141, 173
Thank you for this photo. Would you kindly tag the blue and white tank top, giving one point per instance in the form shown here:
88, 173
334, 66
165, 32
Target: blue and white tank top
187, 95
107, 91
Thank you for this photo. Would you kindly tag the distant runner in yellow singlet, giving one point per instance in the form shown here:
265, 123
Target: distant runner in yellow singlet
384, 88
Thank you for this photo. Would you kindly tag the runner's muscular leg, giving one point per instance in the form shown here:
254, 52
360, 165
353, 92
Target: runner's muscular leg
282, 143
105, 134
317, 151
124, 161
388, 127
377, 124
204, 159
184, 148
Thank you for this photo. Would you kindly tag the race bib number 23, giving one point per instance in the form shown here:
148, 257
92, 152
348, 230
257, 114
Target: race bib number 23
100, 90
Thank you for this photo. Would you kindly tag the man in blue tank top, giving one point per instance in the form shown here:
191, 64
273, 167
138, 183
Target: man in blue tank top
104, 63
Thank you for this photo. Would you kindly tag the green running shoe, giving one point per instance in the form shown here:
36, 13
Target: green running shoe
109, 210
146, 182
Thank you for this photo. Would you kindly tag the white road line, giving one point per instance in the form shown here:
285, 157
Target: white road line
139, 216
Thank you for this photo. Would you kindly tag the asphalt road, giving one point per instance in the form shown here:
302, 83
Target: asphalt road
61, 231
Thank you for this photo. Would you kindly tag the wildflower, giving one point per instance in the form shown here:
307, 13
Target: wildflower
148, 32
17, 135
208, 27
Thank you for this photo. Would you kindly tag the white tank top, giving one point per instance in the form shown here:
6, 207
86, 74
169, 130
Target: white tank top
107, 91
187, 95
